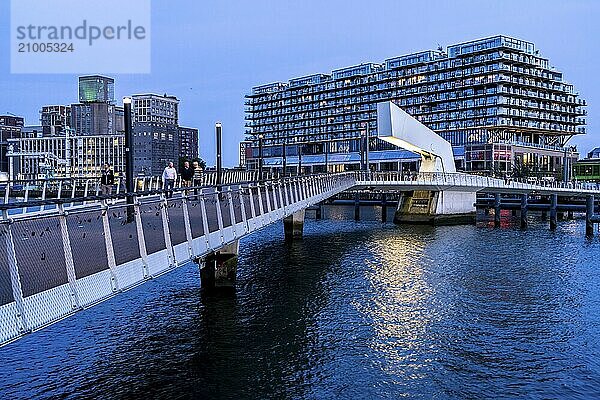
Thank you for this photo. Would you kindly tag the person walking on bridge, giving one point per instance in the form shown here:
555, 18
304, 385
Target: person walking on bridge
107, 180
169, 176
187, 173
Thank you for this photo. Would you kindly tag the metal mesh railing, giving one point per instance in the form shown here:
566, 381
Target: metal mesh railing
57, 262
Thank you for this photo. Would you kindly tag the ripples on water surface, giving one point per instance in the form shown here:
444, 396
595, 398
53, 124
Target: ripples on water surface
355, 310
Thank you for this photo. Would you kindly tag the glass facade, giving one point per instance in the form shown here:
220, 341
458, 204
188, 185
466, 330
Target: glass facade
492, 90
96, 88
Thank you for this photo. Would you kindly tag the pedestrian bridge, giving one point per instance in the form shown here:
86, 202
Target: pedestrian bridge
61, 255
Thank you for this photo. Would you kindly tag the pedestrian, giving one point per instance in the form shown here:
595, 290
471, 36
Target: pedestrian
169, 176
187, 174
107, 180
197, 178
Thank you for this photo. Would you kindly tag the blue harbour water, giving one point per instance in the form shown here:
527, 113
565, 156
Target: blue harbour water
353, 311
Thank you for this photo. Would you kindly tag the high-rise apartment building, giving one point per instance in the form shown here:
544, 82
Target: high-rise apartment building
96, 119
96, 89
188, 142
55, 119
10, 128
498, 102
96, 113
155, 132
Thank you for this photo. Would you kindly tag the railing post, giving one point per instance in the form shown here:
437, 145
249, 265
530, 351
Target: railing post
251, 196
260, 202
15, 279
110, 252
231, 210
216, 197
243, 208
68, 252
59, 190
167, 231
186, 222
43, 207
206, 229
85, 190
141, 238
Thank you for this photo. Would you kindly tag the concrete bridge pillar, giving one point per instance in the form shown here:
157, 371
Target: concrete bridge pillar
497, 204
524, 211
589, 215
293, 225
553, 204
218, 269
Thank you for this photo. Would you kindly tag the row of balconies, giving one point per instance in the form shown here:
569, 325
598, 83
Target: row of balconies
365, 80
333, 111
351, 98
518, 57
443, 117
540, 95
406, 92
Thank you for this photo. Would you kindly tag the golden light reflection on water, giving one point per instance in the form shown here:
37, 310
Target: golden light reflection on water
400, 311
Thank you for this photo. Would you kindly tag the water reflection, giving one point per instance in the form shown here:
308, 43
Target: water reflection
355, 310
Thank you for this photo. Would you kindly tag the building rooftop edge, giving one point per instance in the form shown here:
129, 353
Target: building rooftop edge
436, 51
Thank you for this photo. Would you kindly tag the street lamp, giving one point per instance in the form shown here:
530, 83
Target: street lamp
218, 132
260, 157
326, 149
283, 156
128, 157
300, 159
367, 147
364, 148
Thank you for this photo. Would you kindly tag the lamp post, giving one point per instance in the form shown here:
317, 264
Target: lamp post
367, 147
129, 184
300, 159
362, 150
218, 132
326, 146
283, 156
260, 157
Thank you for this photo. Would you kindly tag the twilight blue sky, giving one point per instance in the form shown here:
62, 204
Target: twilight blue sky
209, 53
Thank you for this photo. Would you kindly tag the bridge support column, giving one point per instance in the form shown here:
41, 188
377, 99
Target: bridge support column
356, 207
319, 211
293, 225
524, 211
589, 214
553, 203
497, 203
218, 269
569, 215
